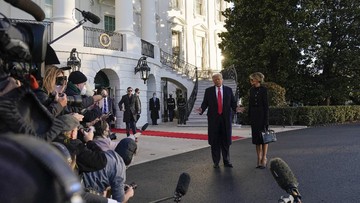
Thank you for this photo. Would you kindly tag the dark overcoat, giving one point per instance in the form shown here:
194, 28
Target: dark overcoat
154, 107
258, 112
129, 105
229, 106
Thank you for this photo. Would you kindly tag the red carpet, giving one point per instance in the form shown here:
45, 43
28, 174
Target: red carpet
194, 136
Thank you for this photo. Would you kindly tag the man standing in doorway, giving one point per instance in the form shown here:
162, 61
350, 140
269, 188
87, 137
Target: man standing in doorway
171, 107
108, 108
221, 104
154, 104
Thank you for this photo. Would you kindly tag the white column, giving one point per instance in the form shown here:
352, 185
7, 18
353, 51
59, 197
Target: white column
124, 16
148, 21
63, 11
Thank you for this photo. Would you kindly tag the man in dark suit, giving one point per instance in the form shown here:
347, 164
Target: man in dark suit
220, 102
109, 109
154, 104
128, 100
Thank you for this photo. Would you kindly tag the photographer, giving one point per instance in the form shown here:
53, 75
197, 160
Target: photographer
51, 94
114, 174
104, 141
89, 156
77, 86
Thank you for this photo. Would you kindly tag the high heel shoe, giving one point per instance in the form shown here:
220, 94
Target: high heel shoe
258, 164
263, 164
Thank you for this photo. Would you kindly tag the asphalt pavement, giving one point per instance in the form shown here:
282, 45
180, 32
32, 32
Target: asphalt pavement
325, 161
155, 147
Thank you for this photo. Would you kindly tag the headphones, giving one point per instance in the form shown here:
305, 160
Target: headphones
46, 161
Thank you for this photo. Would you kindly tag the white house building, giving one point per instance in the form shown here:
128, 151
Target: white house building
175, 36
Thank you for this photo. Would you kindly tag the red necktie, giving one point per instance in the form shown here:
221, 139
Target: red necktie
219, 102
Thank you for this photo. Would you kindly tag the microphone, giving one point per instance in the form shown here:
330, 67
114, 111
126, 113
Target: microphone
89, 16
183, 185
29, 7
285, 177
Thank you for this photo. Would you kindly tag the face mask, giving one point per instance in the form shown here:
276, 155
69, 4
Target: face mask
83, 90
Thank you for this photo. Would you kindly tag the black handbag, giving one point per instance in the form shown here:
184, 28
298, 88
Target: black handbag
268, 136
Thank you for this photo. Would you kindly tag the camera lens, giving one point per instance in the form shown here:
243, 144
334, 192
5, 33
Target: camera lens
74, 100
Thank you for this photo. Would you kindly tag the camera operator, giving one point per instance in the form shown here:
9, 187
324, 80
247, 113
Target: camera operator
77, 86
52, 95
114, 174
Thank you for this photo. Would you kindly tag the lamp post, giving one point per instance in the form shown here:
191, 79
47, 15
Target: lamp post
74, 61
143, 68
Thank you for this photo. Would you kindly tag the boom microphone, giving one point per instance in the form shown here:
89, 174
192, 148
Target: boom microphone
285, 177
29, 7
183, 184
89, 16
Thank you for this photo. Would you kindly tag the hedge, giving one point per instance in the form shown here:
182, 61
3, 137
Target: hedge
310, 115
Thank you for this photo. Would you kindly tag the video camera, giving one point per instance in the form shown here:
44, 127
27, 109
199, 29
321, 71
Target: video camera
23, 48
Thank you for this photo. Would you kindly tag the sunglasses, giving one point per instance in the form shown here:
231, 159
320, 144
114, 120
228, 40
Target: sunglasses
60, 80
129, 90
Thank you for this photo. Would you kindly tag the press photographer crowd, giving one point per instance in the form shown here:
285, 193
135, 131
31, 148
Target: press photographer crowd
55, 144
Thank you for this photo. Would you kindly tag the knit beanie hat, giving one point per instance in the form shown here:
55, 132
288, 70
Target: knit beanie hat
77, 77
69, 122
126, 149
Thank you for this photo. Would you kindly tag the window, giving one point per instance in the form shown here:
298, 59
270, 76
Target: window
48, 8
175, 4
109, 23
199, 7
176, 42
200, 51
219, 10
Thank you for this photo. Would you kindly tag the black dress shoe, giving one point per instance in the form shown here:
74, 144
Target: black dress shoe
216, 166
229, 165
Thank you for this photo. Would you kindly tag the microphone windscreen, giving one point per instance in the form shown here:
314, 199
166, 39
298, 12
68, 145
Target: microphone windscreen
29, 7
91, 17
183, 184
282, 174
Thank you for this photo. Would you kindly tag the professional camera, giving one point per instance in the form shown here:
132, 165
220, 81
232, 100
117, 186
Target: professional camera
112, 136
22, 47
133, 185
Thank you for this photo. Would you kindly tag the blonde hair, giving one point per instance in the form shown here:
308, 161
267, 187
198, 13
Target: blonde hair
50, 78
257, 76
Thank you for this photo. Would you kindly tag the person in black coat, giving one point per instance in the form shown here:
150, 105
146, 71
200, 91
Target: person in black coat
181, 102
258, 116
171, 107
130, 113
154, 104
220, 102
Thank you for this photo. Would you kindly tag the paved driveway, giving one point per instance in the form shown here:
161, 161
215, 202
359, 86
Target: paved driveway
325, 161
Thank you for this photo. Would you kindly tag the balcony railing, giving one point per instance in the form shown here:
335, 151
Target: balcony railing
99, 38
179, 65
184, 68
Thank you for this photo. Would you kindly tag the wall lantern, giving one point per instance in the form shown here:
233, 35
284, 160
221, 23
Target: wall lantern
143, 68
74, 61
